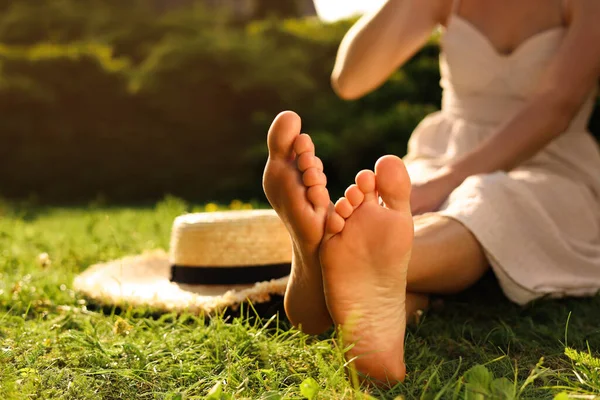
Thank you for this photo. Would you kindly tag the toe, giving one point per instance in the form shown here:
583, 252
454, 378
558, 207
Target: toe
344, 208
318, 163
365, 180
313, 176
307, 160
393, 182
304, 144
334, 225
282, 135
354, 195
318, 196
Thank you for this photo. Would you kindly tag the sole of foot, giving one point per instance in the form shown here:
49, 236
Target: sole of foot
295, 185
364, 257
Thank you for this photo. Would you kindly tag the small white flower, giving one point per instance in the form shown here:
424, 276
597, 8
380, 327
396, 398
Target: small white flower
44, 260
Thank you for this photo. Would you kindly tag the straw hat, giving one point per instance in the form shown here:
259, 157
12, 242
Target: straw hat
217, 260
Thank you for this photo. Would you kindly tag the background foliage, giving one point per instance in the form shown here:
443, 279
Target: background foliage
129, 101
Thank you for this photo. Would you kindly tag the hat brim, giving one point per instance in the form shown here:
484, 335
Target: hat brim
143, 280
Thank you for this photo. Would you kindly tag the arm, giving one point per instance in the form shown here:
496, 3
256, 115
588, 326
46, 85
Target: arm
568, 81
381, 42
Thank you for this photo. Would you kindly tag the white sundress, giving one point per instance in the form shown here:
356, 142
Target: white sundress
539, 224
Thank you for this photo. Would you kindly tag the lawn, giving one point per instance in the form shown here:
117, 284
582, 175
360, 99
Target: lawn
55, 344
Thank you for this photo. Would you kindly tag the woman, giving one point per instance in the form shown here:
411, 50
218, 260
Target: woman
504, 176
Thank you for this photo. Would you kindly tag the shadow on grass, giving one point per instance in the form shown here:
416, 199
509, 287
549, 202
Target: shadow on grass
253, 313
481, 315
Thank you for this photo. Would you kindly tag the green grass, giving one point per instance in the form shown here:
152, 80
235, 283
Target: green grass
53, 344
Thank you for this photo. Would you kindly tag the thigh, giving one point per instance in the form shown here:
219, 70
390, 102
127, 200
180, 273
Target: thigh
446, 257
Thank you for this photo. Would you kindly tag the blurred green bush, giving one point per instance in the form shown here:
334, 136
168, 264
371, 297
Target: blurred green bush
119, 99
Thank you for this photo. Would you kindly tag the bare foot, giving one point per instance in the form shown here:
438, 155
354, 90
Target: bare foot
364, 256
294, 183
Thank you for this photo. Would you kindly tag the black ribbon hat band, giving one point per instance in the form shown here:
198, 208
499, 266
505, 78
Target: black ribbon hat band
228, 275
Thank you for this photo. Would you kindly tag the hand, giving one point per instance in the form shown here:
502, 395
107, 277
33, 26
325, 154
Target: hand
429, 196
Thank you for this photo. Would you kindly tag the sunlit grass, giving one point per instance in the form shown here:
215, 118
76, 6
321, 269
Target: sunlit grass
54, 344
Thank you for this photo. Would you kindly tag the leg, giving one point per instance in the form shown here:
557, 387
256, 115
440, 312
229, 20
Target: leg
446, 257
